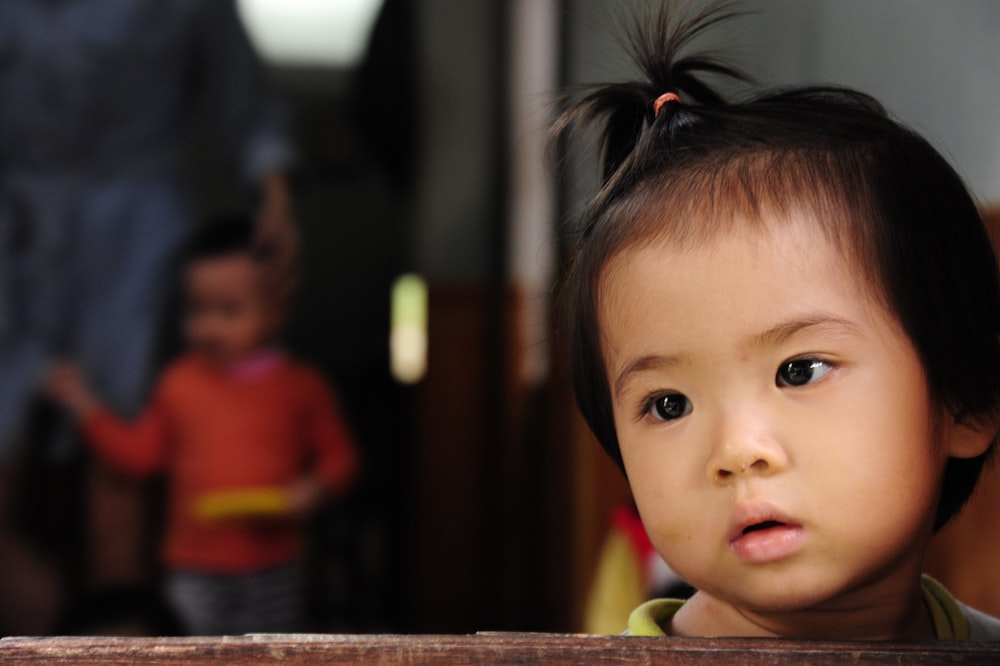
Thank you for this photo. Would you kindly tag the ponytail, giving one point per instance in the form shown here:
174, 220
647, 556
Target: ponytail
670, 95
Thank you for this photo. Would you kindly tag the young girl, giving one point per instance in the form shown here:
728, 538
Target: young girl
783, 325
249, 440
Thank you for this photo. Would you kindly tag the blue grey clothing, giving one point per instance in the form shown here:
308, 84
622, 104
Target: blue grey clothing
96, 100
108, 86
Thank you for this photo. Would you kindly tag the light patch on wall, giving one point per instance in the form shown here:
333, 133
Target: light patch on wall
324, 33
408, 332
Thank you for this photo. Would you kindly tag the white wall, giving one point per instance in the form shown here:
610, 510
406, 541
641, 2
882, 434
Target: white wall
935, 64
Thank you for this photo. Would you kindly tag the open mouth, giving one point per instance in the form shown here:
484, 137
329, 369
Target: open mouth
766, 525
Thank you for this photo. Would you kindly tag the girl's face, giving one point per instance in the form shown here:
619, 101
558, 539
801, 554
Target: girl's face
777, 433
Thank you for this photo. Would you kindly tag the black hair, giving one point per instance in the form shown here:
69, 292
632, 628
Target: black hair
222, 235
881, 193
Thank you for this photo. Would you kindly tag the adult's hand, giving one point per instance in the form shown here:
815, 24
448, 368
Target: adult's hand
278, 236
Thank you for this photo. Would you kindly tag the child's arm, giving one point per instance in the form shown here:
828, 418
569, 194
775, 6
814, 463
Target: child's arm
137, 448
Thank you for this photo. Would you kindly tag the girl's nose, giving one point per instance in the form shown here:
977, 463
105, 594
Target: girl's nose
745, 444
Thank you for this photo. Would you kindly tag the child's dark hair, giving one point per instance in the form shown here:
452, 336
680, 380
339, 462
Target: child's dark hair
879, 192
223, 235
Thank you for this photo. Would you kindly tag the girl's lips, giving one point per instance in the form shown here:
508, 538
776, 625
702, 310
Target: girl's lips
759, 533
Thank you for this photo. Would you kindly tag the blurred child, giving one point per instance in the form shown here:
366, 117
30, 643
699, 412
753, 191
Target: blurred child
249, 439
783, 318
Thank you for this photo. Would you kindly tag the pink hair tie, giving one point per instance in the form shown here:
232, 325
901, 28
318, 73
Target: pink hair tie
663, 99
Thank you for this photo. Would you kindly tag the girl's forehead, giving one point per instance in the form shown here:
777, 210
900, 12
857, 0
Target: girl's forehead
719, 295
790, 261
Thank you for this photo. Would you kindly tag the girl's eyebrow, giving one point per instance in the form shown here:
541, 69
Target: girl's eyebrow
786, 330
643, 363
772, 337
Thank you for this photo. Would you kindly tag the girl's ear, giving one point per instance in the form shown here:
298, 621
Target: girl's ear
967, 437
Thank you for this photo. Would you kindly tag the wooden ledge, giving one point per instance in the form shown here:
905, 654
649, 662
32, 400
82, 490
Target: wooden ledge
485, 648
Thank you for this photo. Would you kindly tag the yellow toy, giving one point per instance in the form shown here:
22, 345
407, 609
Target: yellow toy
243, 503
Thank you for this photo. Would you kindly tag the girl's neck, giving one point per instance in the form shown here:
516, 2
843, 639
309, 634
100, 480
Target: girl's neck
893, 618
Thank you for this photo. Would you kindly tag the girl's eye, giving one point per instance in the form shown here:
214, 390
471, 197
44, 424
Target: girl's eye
801, 372
670, 406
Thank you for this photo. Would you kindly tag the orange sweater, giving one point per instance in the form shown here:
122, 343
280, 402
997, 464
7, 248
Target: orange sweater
210, 432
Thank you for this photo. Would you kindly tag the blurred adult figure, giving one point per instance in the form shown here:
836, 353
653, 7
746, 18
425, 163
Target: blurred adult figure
97, 99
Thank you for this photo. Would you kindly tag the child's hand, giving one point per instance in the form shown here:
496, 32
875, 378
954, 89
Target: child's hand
64, 384
304, 495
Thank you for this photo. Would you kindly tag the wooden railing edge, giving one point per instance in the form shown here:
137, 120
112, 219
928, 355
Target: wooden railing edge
492, 648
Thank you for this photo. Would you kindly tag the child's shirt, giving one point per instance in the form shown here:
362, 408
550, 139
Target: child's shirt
952, 619
213, 431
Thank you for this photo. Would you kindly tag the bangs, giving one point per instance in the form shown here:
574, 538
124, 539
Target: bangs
694, 203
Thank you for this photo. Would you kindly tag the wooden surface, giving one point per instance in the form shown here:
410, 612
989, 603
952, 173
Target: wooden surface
483, 649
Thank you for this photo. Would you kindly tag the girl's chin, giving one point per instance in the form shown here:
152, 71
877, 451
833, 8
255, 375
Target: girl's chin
777, 597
